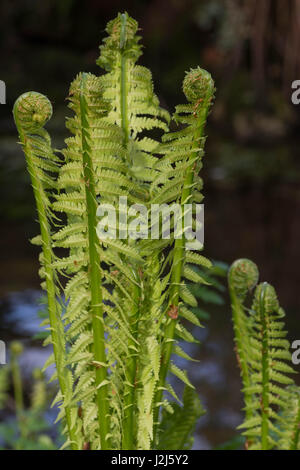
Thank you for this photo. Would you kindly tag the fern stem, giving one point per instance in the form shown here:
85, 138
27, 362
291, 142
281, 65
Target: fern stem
95, 277
123, 99
237, 313
129, 392
265, 370
38, 190
130, 387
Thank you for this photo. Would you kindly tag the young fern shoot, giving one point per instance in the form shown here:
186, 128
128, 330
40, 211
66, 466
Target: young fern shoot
95, 276
242, 279
135, 109
31, 112
263, 356
182, 154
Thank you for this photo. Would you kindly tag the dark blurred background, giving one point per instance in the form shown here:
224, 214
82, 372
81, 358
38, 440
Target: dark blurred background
251, 168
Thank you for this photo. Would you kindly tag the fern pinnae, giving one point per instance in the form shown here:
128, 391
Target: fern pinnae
31, 111
179, 423
290, 420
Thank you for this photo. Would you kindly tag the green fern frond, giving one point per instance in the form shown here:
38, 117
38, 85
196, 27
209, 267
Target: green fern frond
182, 151
31, 111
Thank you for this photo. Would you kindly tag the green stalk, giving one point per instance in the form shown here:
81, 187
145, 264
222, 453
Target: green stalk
123, 99
38, 190
129, 392
130, 386
95, 277
265, 370
179, 248
239, 331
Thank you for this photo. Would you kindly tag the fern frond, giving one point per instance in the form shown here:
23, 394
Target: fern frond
31, 112
183, 150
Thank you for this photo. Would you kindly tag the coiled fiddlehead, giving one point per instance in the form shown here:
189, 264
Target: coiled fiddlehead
32, 111
243, 277
198, 85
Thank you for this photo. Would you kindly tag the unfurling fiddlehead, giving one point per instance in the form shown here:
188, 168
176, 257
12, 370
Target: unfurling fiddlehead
261, 348
135, 109
185, 149
96, 309
242, 278
31, 112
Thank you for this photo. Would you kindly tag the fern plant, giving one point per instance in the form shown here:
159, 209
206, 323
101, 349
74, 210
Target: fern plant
271, 399
117, 306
